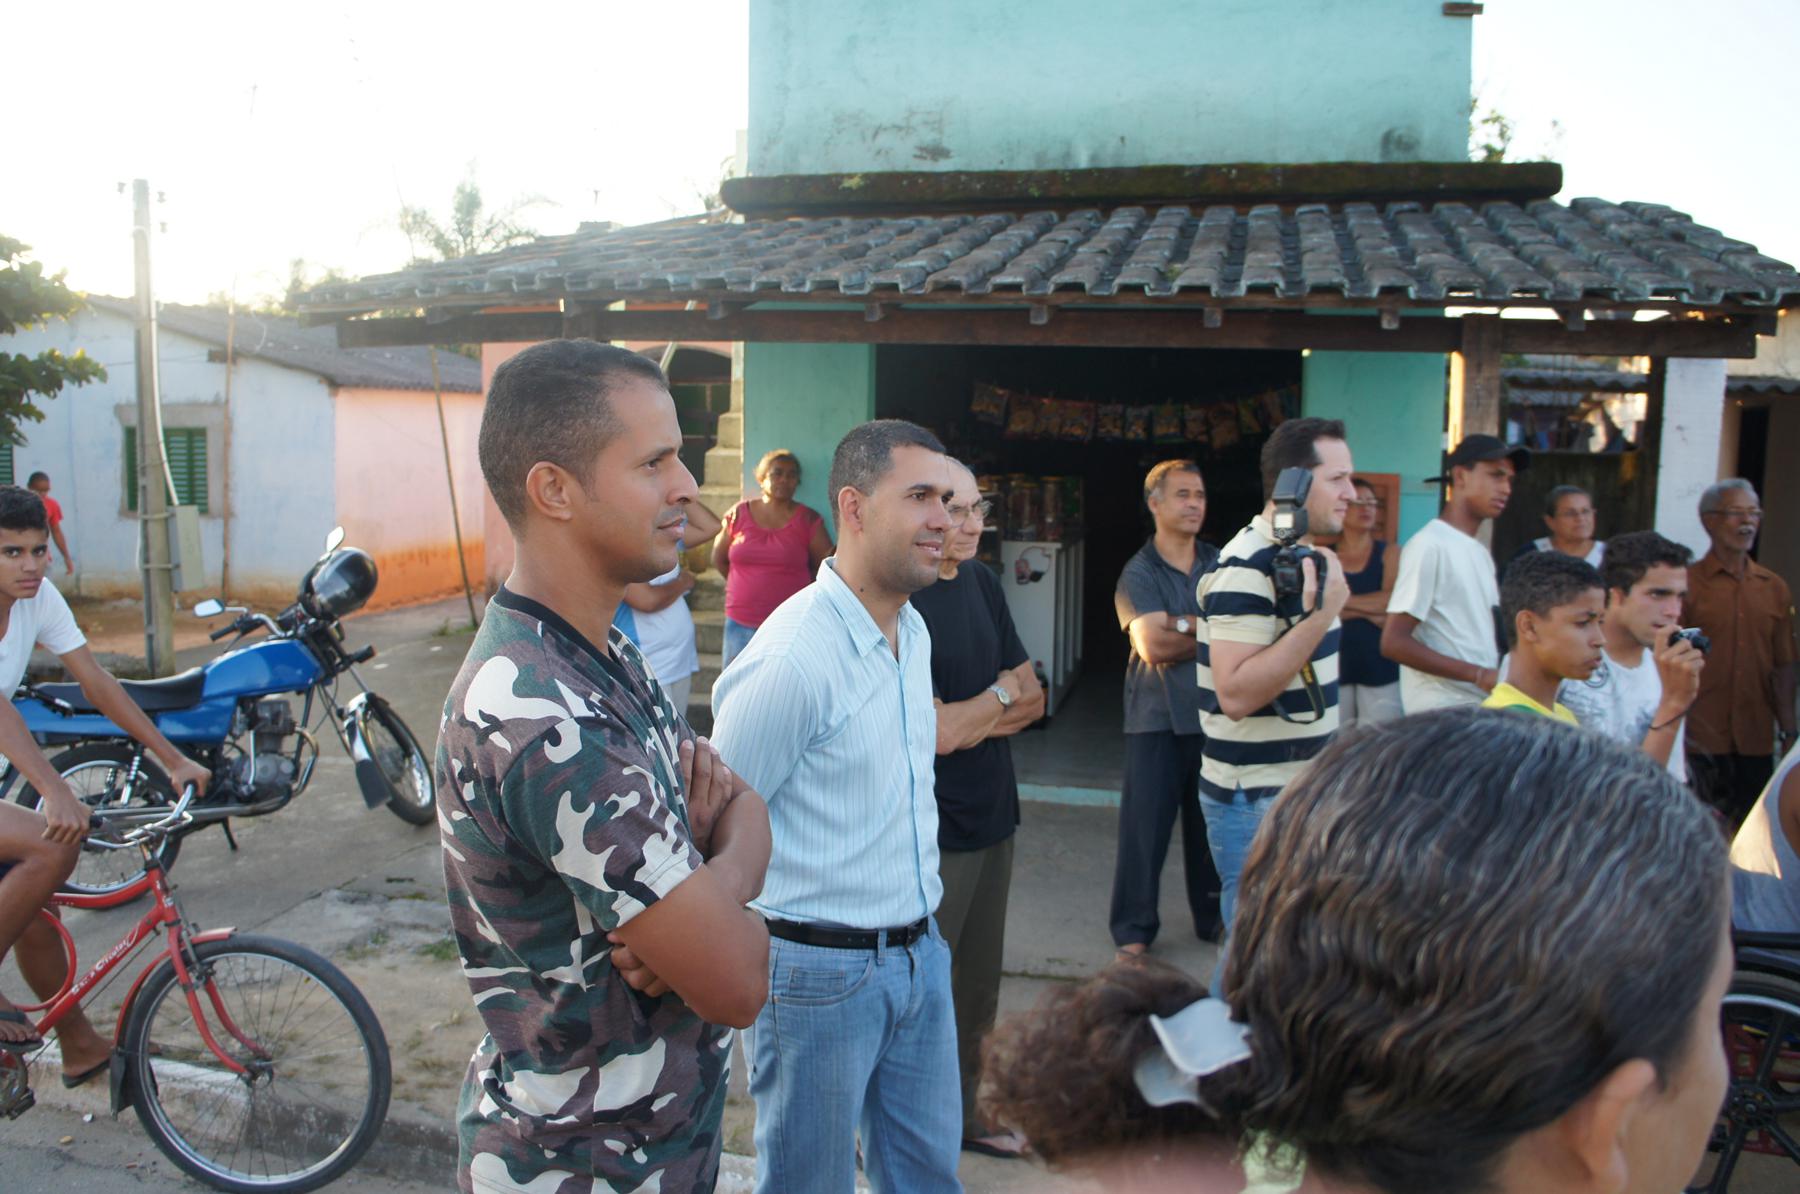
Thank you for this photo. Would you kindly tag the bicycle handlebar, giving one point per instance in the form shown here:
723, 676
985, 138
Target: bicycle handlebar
161, 822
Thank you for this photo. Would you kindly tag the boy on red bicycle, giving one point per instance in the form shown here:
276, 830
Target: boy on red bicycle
38, 850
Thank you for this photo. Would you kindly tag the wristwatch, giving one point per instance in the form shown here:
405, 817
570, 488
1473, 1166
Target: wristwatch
1005, 696
1183, 625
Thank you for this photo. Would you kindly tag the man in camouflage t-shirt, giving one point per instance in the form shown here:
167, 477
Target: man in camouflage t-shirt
574, 800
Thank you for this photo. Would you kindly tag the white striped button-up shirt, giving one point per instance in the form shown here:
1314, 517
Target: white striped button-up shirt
840, 739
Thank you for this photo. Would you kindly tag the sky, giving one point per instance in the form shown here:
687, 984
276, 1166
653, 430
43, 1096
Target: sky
275, 134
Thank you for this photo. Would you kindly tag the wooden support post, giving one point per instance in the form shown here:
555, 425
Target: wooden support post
1650, 437
1476, 407
1475, 403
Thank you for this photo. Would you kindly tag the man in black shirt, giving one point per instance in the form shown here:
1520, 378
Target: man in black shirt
1157, 609
986, 691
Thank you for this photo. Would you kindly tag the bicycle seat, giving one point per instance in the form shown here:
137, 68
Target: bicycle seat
180, 691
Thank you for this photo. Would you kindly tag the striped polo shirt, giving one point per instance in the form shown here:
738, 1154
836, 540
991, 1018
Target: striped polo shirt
1262, 752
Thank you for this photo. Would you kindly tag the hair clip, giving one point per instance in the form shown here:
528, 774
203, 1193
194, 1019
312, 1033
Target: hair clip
1199, 1040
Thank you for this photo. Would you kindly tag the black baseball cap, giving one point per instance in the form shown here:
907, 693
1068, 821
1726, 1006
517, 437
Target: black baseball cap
1476, 448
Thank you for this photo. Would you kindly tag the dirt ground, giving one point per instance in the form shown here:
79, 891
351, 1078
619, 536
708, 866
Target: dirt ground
116, 626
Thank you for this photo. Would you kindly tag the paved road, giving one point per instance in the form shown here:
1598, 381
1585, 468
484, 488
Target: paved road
108, 1157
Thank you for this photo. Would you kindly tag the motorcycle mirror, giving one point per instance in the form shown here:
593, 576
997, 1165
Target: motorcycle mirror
334, 540
210, 608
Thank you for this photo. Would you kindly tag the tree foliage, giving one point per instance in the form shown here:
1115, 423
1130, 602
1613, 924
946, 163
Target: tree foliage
470, 229
29, 299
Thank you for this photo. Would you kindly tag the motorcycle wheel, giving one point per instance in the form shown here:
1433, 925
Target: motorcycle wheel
96, 772
405, 771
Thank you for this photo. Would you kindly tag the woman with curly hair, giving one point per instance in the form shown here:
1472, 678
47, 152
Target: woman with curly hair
1472, 953
769, 549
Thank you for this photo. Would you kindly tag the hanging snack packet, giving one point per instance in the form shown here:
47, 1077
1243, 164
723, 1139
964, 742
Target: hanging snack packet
1137, 424
1110, 422
988, 405
1023, 415
1168, 423
1194, 423
1223, 416
1077, 422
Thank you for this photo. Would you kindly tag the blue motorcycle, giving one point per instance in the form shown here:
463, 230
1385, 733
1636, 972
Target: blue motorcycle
235, 715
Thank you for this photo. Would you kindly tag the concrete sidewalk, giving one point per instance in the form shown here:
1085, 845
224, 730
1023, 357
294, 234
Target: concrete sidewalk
366, 889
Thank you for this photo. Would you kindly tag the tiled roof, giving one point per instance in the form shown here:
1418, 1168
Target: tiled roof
1580, 382
1761, 383
1575, 378
283, 341
1445, 253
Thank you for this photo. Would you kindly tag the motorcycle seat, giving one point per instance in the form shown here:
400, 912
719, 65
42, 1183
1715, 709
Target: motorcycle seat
180, 691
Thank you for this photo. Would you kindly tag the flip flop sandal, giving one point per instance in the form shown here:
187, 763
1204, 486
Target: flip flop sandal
71, 1081
14, 1016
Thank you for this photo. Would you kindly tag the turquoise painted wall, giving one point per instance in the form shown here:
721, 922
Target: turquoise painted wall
804, 397
1392, 405
1053, 84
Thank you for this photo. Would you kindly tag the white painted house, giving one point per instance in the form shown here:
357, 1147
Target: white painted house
314, 436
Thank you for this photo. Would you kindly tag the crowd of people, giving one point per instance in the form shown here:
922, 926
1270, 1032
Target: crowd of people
1398, 1004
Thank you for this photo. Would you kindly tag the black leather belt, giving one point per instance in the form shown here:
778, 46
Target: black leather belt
805, 934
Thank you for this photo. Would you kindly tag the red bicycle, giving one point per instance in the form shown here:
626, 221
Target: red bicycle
253, 1062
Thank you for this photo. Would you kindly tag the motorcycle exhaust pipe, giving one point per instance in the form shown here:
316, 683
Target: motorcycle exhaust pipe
221, 812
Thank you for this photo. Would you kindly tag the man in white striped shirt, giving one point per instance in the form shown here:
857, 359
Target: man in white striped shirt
1267, 662
828, 712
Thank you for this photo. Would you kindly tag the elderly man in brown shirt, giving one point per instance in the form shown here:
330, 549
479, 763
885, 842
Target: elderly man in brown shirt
1747, 688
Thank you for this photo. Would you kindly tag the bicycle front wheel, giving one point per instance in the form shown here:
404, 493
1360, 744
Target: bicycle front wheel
317, 1074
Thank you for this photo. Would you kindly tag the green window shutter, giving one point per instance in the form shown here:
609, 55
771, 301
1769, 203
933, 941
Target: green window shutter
6, 465
185, 448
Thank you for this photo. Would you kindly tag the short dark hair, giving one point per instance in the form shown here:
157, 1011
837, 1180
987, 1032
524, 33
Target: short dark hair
1540, 582
1554, 498
22, 510
1629, 557
1153, 480
40, 475
1294, 444
552, 403
865, 454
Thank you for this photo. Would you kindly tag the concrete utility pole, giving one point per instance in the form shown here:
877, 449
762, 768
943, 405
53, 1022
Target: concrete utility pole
153, 499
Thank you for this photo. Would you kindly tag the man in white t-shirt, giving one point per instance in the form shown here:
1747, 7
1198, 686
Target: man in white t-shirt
38, 850
1442, 624
1641, 694
665, 628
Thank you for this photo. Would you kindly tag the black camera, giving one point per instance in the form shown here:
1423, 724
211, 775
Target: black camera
1701, 643
1290, 525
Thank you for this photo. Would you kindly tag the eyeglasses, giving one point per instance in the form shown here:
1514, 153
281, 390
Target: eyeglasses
1749, 515
963, 513
1375, 503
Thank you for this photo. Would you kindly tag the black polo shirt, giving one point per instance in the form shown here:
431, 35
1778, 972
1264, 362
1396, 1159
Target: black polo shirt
972, 641
1161, 697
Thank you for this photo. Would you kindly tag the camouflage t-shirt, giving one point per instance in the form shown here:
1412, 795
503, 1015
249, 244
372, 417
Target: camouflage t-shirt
563, 816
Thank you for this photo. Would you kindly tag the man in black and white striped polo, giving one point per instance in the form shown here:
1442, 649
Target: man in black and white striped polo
1268, 667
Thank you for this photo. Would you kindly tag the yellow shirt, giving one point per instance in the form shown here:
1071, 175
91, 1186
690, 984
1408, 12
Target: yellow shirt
1505, 696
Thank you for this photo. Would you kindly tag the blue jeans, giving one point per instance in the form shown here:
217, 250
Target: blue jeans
853, 1040
1230, 826
737, 637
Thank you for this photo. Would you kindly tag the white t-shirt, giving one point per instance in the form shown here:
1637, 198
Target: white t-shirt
1621, 702
1447, 582
44, 619
666, 636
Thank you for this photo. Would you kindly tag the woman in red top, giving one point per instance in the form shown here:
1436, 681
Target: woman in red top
769, 549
